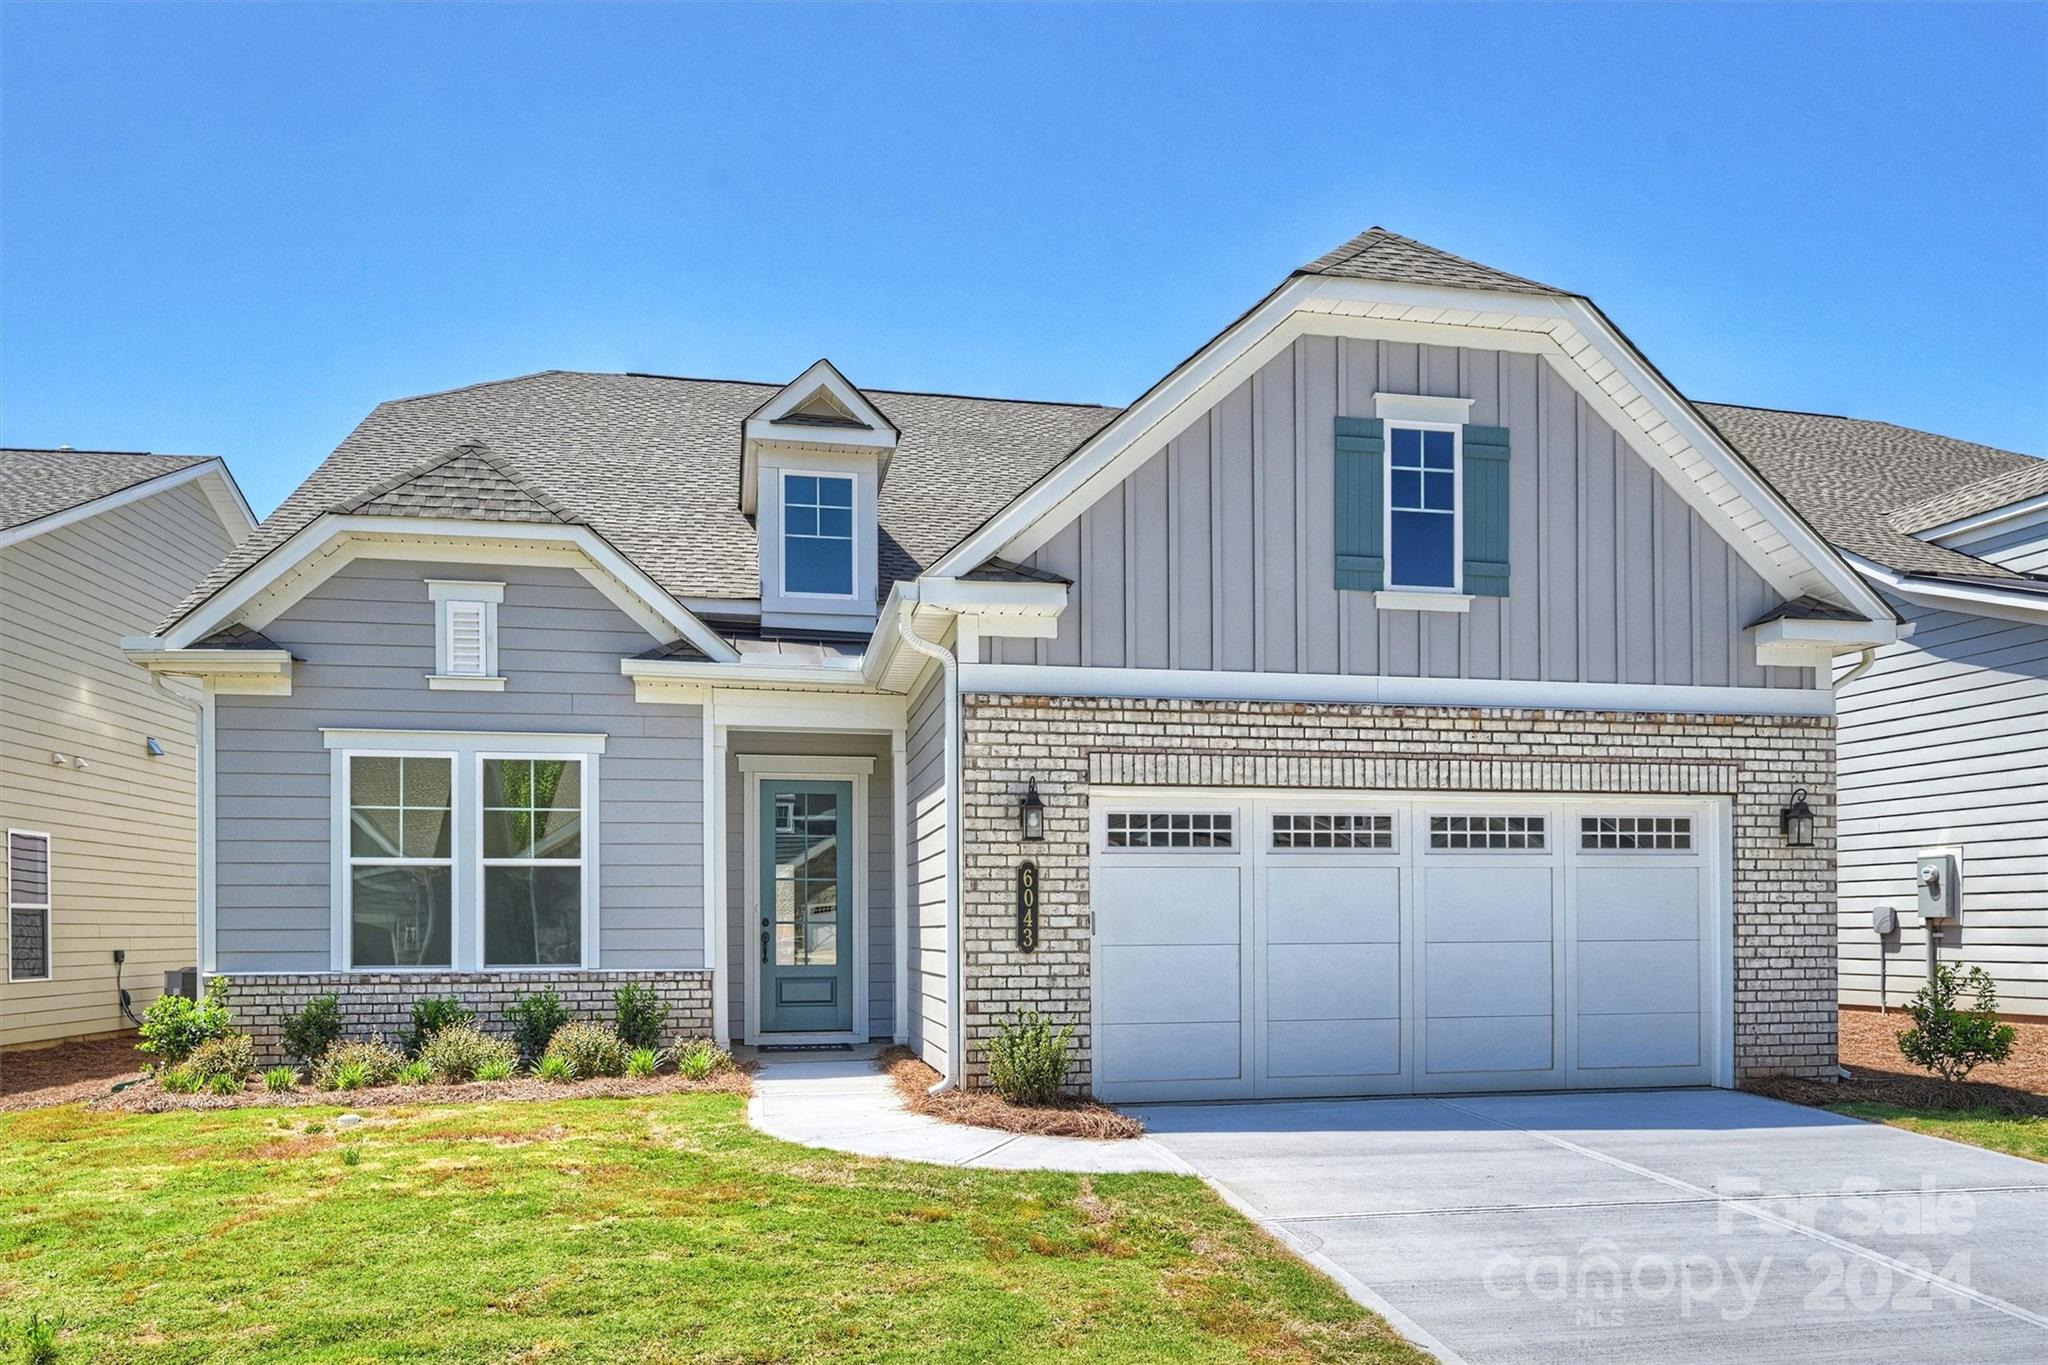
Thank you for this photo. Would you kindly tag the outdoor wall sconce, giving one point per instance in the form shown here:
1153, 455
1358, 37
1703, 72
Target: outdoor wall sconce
1031, 815
1796, 821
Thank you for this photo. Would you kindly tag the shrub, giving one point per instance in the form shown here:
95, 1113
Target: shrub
498, 1069
415, 1073
223, 1084
701, 1059
554, 1069
313, 1029
642, 1014
534, 1021
37, 1339
430, 1016
1951, 1041
281, 1078
351, 1156
174, 1027
366, 1064
1027, 1061
588, 1050
644, 1062
230, 1057
458, 1052
178, 1081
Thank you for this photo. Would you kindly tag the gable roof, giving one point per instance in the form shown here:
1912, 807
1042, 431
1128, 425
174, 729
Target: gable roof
1982, 496
1848, 476
1377, 254
468, 483
38, 483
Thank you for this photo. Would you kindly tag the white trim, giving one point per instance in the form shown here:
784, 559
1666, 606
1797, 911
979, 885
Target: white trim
715, 853
817, 770
222, 492
457, 590
977, 595
797, 765
463, 682
48, 906
1070, 681
783, 474
2027, 511
1982, 599
899, 822
1417, 409
532, 744
1790, 643
344, 862
585, 863
226, 672
208, 874
1421, 599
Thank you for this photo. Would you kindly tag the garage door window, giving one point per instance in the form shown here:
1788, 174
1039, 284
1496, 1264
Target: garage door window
1170, 829
1336, 830
1636, 833
1486, 833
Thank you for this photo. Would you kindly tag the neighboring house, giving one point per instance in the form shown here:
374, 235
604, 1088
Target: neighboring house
1406, 692
1944, 734
97, 762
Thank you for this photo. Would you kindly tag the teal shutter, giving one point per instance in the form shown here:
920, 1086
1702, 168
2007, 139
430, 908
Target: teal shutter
1485, 494
1360, 503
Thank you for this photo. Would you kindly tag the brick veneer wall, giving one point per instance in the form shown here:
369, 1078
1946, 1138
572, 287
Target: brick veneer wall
381, 1002
1784, 897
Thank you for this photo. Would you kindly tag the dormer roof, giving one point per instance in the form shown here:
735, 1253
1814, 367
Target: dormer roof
820, 408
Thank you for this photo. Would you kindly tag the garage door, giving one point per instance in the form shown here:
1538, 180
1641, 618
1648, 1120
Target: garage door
1296, 945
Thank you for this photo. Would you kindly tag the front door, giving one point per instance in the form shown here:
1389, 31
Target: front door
806, 906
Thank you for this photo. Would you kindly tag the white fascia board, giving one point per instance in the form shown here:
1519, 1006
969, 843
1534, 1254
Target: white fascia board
664, 679
957, 594
1841, 635
1415, 407
213, 476
1942, 595
516, 741
2014, 516
762, 425
232, 672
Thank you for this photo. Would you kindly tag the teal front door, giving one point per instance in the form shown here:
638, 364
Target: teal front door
806, 906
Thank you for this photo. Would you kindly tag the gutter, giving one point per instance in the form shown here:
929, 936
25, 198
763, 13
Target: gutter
949, 667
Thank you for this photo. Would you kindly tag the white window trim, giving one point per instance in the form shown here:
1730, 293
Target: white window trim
783, 476
446, 593
1425, 590
48, 907
1415, 407
346, 860
585, 862
1424, 599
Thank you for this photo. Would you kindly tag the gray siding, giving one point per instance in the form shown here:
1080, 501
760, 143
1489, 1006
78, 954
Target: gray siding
925, 778
2024, 550
366, 641
1217, 554
744, 938
1942, 743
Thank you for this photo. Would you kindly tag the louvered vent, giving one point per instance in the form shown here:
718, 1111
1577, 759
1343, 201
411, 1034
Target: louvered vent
466, 639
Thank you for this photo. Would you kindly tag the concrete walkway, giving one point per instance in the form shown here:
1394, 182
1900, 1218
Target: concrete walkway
840, 1101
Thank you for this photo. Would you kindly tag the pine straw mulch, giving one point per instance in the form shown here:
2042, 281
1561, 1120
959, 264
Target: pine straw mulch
35, 1078
150, 1098
1081, 1118
1879, 1075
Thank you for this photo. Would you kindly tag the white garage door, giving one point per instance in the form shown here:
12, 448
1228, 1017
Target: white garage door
1252, 947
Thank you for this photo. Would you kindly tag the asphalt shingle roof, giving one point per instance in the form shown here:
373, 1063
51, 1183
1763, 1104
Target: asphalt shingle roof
40, 483
468, 483
1377, 254
1970, 499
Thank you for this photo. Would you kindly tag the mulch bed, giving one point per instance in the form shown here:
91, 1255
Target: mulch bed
151, 1098
35, 1078
1879, 1075
1080, 1118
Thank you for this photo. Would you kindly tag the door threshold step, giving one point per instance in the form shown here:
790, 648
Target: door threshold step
804, 1047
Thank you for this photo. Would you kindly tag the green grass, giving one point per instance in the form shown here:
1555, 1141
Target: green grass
657, 1229
2017, 1135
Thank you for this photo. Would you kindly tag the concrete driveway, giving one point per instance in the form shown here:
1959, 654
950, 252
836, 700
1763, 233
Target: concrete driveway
1693, 1225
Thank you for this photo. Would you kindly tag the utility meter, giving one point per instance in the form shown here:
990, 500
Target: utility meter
1939, 881
1884, 921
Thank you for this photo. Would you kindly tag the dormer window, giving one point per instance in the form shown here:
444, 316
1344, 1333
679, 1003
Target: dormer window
817, 534
465, 636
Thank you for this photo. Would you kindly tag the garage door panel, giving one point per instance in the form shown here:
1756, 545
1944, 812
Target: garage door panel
1638, 902
1136, 1053
1333, 905
1487, 904
1333, 981
1639, 1040
1170, 984
1630, 977
1491, 1045
1471, 979
1298, 1049
1153, 904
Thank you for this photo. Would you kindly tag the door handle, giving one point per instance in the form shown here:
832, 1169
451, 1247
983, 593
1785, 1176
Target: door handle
764, 942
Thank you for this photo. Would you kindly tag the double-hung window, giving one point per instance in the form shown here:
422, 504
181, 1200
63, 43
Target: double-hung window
401, 866
533, 862
28, 905
1422, 508
817, 534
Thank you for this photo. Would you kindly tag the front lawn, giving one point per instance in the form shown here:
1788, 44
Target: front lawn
659, 1229
2017, 1134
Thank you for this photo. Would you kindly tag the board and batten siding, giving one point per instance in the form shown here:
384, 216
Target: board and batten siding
365, 642
123, 828
925, 777
1944, 743
1218, 553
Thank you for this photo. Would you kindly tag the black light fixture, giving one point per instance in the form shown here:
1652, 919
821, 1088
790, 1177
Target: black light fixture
1031, 814
1796, 821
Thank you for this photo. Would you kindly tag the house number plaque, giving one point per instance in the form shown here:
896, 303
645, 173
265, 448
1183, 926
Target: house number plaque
1027, 905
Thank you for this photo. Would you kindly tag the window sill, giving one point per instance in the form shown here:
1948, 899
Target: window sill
447, 682
1422, 601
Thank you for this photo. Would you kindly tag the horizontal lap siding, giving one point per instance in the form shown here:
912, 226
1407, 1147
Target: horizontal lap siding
365, 639
1944, 742
925, 781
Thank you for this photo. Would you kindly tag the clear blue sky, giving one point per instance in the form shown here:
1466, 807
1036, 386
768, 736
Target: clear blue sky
234, 229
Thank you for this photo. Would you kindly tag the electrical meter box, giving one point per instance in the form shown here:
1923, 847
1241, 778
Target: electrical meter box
1938, 877
1884, 921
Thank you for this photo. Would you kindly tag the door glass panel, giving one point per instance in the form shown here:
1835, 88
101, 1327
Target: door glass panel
807, 854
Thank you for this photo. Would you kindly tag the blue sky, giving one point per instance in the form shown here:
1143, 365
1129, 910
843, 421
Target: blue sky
234, 229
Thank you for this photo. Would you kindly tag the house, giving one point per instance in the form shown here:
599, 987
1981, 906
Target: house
97, 762
1406, 693
1944, 733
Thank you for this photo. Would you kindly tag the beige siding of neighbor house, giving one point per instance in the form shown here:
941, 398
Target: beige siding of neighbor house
123, 844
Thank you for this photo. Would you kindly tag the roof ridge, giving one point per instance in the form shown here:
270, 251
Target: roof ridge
1376, 237
462, 450
85, 450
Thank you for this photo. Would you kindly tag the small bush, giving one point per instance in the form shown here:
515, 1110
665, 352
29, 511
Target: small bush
1027, 1061
313, 1029
1951, 1041
554, 1069
589, 1050
224, 1084
642, 1015
281, 1079
701, 1060
534, 1021
430, 1016
174, 1027
498, 1069
415, 1072
178, 1081
230, 1057
366, 1064
644, 1062
458, 1052
36, 1340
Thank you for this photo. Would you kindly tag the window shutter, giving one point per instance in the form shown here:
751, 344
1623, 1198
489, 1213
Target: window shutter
1361, 504
1485, 498
28, 905
466, 639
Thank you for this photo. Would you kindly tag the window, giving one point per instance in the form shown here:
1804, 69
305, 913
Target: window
533, 862
1422, 507
1335, 831
465, 635
1636, 833
817, 534
1170, 829
28, 905
1487, 832
401, 863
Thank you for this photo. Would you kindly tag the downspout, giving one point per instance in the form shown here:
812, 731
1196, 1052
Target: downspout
1862, 666
949, 667
202, 813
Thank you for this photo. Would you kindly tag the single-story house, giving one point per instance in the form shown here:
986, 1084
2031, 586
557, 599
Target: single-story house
97, 763
1410, 692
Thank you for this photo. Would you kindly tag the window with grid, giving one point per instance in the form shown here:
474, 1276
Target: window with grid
533, 862
1636, 833
1335, 830
401, 865
817, 534
1486, 832
28, 906
1422, 508
1170, 829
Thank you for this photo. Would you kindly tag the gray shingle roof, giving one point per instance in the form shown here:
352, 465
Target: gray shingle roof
41, 483
1377, 254
1845, 475
1970, 499
1807, 609
651, 463
468, 483
1004, 571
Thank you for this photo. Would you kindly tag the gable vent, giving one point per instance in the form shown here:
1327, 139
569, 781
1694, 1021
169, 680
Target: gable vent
466, 639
